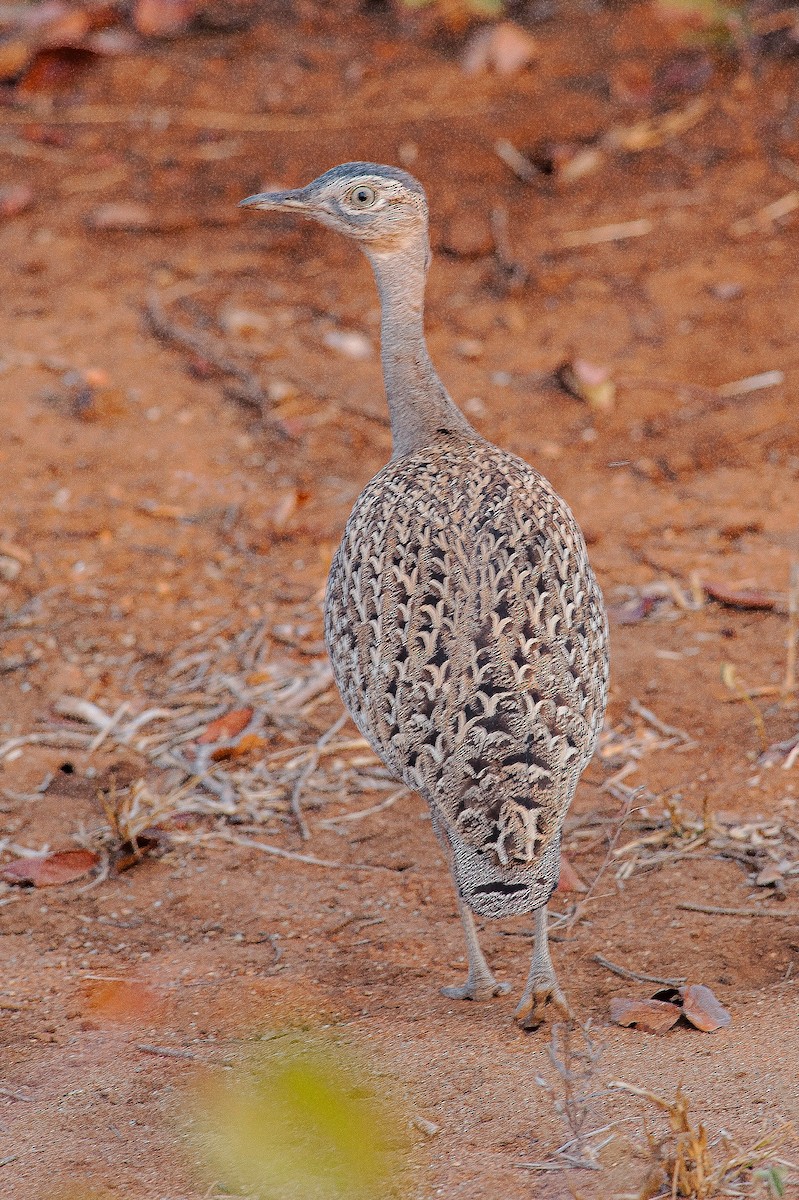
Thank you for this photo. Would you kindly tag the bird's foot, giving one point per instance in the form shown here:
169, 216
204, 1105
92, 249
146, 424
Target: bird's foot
531, 1011
484, 987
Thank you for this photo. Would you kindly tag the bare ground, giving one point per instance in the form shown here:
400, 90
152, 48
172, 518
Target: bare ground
155, 517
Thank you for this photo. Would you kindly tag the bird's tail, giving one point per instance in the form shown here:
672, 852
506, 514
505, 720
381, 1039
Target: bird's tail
493, 890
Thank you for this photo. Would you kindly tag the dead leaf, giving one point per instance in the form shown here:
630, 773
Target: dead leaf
653, 1016
635, 610
505, 48
129, 854
50, 870
123, 1000
702, 1009
286, 507
587, 381
569, 880
56, 68
113, 42
14, 58
15, 198
746, 598
247, 745
769, 876
348, 342
12, 550
226, 727
688, 71
163, 18
66, 30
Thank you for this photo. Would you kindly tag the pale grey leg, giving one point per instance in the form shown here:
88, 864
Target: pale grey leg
480, 983
542, 986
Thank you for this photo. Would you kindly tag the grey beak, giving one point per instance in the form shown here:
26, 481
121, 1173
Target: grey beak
275, 200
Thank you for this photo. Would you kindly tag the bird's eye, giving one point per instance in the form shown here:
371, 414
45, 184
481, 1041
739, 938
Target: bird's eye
362, 196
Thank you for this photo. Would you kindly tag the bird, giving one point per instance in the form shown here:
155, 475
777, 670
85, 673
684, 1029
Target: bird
466, 629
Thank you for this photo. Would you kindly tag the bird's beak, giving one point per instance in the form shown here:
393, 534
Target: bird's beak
294, 200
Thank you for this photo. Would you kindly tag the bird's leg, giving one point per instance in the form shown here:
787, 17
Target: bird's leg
480, 983
542, 986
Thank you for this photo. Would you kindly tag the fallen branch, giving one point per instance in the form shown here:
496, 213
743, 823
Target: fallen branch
718, 911
208, 348
638, 976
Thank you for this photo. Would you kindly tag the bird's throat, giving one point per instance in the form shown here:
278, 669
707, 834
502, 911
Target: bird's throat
418, 402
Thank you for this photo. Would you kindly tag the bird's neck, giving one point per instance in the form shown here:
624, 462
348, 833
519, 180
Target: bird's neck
418, 403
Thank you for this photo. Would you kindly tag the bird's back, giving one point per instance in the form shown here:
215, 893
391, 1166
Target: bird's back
469, 641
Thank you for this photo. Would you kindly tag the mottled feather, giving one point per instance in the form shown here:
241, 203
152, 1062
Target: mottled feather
468, 639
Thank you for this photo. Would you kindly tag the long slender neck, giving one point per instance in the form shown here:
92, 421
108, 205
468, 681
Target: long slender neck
418, 402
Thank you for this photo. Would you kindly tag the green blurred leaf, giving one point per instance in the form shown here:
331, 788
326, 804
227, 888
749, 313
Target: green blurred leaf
304, 1123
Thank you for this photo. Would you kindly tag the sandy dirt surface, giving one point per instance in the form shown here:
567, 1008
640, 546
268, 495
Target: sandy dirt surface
166, 528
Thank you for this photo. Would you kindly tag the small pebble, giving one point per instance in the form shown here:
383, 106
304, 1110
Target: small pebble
726, 291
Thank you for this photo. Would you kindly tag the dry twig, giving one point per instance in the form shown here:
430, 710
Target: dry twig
626, 973
716, 910
209, 349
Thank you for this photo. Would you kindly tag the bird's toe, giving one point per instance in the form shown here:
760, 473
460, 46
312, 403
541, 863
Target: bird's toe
536, 1004
477, 989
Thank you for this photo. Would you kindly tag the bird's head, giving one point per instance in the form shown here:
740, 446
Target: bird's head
382, 208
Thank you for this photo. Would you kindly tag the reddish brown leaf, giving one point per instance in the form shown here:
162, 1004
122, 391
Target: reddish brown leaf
56, 69
632, 83
246, 745
748, 598
569, 880
14, 58
123, 1000
130, 854
15, 198
635, 610
653, 1016
50, 870
226, 727
163, 18
702, 1009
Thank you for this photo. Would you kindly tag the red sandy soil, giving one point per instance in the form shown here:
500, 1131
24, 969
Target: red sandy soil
157, 506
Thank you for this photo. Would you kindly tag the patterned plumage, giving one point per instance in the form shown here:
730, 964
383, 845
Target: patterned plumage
465, 627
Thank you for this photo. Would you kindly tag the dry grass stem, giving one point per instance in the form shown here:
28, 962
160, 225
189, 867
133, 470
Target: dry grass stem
361, 814
574, 1055
686, 1163
730, 680
257, 779
307, 771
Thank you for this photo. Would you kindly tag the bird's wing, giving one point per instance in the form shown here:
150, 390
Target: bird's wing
468, 638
